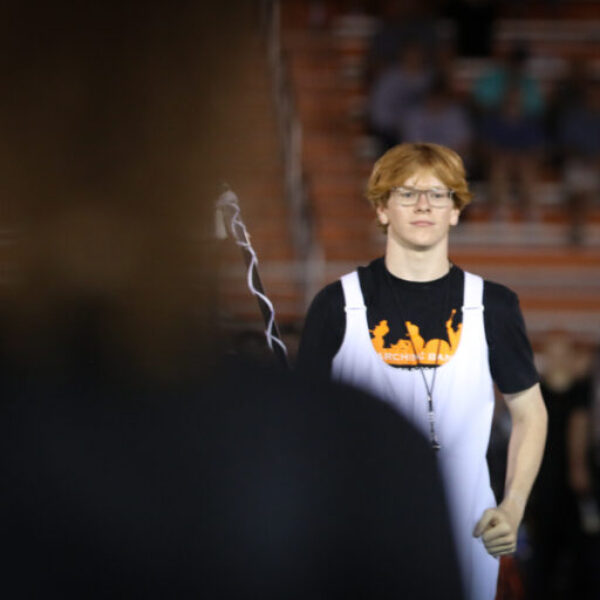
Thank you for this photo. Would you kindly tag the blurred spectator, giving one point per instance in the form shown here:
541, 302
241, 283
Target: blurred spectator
556, 567
398, 89
595, 409
490, 90
578, 138
584, 478
473, 24
566, 92
513, 141
438, 118
509, 107
403, 22
572, 123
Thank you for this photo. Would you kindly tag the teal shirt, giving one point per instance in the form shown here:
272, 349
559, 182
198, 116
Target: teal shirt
490, 88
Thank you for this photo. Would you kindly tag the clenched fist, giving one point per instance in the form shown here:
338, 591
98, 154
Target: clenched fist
498, 530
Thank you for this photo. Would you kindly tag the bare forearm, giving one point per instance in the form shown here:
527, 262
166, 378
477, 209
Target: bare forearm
526, 448
498, 527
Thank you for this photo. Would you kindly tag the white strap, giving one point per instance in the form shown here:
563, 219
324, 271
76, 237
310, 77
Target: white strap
352, 292
473, 299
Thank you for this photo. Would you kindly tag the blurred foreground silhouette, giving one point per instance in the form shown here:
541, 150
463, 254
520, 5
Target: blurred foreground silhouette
138, 461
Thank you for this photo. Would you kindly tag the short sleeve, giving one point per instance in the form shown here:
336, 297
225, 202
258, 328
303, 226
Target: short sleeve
510, 354
323, 332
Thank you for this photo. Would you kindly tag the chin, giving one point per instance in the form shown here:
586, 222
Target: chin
422, 243
419, 240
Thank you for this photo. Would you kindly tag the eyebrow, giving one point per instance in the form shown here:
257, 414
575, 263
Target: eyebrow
433, 187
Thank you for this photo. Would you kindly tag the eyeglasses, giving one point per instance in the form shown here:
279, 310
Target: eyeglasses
408, 196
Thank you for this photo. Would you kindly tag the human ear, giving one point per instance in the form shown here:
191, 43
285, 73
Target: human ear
382, 215
454, 216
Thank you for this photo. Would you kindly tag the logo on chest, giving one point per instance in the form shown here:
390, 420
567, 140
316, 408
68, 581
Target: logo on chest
428, 352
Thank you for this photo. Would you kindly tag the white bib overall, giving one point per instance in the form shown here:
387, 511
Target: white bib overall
463, 401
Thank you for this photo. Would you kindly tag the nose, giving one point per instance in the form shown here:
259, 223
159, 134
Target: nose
422, 201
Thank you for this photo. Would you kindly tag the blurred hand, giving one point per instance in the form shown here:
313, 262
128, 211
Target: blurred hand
498, 530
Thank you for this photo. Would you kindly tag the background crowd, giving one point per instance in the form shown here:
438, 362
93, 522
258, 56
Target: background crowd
513, 128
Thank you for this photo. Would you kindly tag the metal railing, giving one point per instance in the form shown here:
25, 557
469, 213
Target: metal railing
290, 130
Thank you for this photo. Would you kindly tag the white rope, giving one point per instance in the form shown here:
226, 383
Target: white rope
242, 239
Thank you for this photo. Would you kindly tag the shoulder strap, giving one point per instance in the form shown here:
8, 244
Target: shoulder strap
473, 298
352, 292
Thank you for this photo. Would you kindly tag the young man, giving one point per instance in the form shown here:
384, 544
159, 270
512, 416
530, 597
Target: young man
431, 339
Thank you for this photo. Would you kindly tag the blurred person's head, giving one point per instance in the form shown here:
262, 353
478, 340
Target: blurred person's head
112, 150
562, 359
412, 57
439, 94
516, 57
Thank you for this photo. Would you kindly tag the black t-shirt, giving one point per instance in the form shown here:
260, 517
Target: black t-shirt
433, 312
552, 509
560, 404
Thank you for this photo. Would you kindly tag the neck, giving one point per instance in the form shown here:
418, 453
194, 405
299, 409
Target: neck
417, 265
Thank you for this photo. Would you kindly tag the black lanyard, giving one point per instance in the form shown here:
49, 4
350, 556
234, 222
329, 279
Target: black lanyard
429, 388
